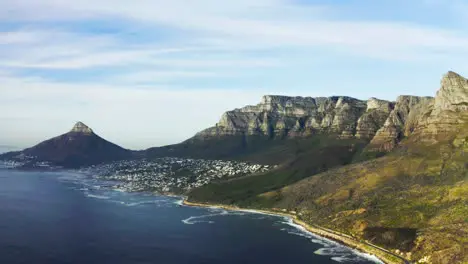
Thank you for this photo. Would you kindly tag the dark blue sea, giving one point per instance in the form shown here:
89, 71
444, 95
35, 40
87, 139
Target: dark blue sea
62, 217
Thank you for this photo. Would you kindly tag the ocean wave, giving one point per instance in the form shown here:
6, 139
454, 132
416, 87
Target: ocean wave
193, 219
337, 251
158, 202
332, 251
343, 254
99, 190
97, 196
179, 202
196, 219
368, 257
190, 221
343, 259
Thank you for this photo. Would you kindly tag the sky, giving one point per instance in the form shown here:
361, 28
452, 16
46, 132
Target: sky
146, 73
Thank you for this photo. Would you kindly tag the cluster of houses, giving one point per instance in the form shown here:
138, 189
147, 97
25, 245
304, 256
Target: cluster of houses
10, 164
170, 175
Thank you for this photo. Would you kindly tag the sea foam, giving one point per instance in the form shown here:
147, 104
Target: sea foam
97, 196
339, 252
195, 219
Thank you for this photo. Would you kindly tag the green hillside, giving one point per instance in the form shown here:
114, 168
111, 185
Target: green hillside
302, 157
414, 199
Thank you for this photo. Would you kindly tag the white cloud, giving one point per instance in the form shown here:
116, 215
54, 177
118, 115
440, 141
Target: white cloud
268, 22
56, 50
133, 117
182, 40
157, 76
78, 60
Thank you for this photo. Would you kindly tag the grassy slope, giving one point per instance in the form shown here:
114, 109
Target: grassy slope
414, 199
256, 149
299, 158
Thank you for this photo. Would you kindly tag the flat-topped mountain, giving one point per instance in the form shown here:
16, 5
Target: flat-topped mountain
283, 116
382, 122
376, 125
79, 147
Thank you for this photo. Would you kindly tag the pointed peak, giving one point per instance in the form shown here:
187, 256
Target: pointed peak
452, 74
80, 127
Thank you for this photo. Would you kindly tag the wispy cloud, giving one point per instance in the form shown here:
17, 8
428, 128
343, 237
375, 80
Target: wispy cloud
57, 56
268, 22
137, 119
159, 76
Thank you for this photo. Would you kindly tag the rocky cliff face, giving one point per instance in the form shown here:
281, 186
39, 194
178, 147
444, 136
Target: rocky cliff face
283, 116
448, 113
453, 94
81, 128
382, 122
401, 122
374, 117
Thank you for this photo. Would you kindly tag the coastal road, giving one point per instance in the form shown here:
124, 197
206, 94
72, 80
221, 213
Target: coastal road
363, 242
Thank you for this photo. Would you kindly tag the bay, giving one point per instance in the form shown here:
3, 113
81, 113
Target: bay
64, 217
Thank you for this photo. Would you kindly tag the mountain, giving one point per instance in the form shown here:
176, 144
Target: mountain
412, 197
303, 135
345, 117
79, 147
245, 131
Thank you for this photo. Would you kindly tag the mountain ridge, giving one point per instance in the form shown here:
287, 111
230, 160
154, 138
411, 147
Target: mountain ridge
380, 123
346, 117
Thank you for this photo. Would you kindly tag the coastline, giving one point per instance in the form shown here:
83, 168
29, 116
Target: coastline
381, 253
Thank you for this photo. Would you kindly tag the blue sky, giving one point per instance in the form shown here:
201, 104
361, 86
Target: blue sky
152, 72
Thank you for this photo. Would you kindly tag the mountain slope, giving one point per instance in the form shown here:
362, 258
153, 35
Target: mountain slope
414, 199
308, 134
79, 147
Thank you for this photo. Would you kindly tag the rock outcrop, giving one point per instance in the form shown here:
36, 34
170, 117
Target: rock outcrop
400, 122
453, 94
373, 119
448, 114
283, 116
431, 119
81, 128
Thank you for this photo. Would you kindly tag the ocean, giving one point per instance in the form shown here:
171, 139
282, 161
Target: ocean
63, 217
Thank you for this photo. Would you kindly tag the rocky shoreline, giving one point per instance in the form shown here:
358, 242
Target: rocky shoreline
381, 253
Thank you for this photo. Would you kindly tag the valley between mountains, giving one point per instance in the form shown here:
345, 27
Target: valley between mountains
393, 173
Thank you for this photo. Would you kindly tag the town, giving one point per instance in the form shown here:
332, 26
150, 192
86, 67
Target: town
170, 175
10, 164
